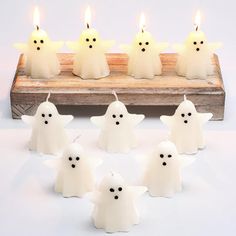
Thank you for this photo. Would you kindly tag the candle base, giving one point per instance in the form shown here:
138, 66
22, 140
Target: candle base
164, 90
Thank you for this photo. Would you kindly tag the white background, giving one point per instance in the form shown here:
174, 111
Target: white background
28, 205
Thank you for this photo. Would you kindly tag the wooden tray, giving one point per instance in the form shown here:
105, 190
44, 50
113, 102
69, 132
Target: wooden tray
165, 90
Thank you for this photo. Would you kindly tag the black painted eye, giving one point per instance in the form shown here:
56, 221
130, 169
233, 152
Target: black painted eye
194, 43
114, 116
43, 115
183, 115
140, 43
201, 42
120, 189
112, 190
189, 114
70, 158
169, 156
41, 41
50, 115
121, 116
77, 158
94, 39
161, 155
87, 39
147, 43
35, 41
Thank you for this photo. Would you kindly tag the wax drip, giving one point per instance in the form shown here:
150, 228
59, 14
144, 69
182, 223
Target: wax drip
114, 93
49, 94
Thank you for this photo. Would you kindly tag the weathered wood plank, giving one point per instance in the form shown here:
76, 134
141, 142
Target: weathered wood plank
165, 90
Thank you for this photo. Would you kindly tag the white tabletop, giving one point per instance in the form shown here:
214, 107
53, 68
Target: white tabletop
206, 206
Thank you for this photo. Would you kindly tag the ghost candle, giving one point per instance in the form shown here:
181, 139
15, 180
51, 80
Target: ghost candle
195, 55
144, 54
76, 175
115, 204
163, 173
186, 129
40, 53
48, 133
90, 60
117, 127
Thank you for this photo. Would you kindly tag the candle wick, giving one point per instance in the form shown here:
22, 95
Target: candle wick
76, 138
49, 94
87, 25
114, 93
197, 28
142, 30
37, 27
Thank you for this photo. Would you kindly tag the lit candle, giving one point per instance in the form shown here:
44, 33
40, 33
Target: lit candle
163, 172
195, 55
144, 54
186, 129
48, 133
40, 53
117, 128
115, 204
76, 174
90, 60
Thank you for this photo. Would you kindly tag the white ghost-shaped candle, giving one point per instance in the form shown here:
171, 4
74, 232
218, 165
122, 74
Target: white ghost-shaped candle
76, 175
195, 55
117, 128
90, 60
144, 55
40, 54
115, 204
186, 129
163, 173
48, 132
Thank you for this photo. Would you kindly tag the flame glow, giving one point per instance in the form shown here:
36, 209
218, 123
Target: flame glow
197, 21
142, 22
36, 17
88, 17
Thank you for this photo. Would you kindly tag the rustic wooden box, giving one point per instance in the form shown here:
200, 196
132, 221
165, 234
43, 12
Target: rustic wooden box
166, 90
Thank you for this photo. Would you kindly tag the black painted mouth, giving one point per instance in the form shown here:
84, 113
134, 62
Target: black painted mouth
90, 46
116, 197
73, 166
185, 121
143, 49
45, 122
197, 49
164, 164
117, 122
38, 48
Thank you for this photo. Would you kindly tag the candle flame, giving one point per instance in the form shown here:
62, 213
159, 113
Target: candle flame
36, 18
88, 17
197, 22
142, 22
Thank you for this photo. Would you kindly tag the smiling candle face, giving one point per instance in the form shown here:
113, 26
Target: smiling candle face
186, 127
117, 128
90, 61
115, 208
48, 133
41, 58
162, 175
76, 173
194, 60
144, 60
